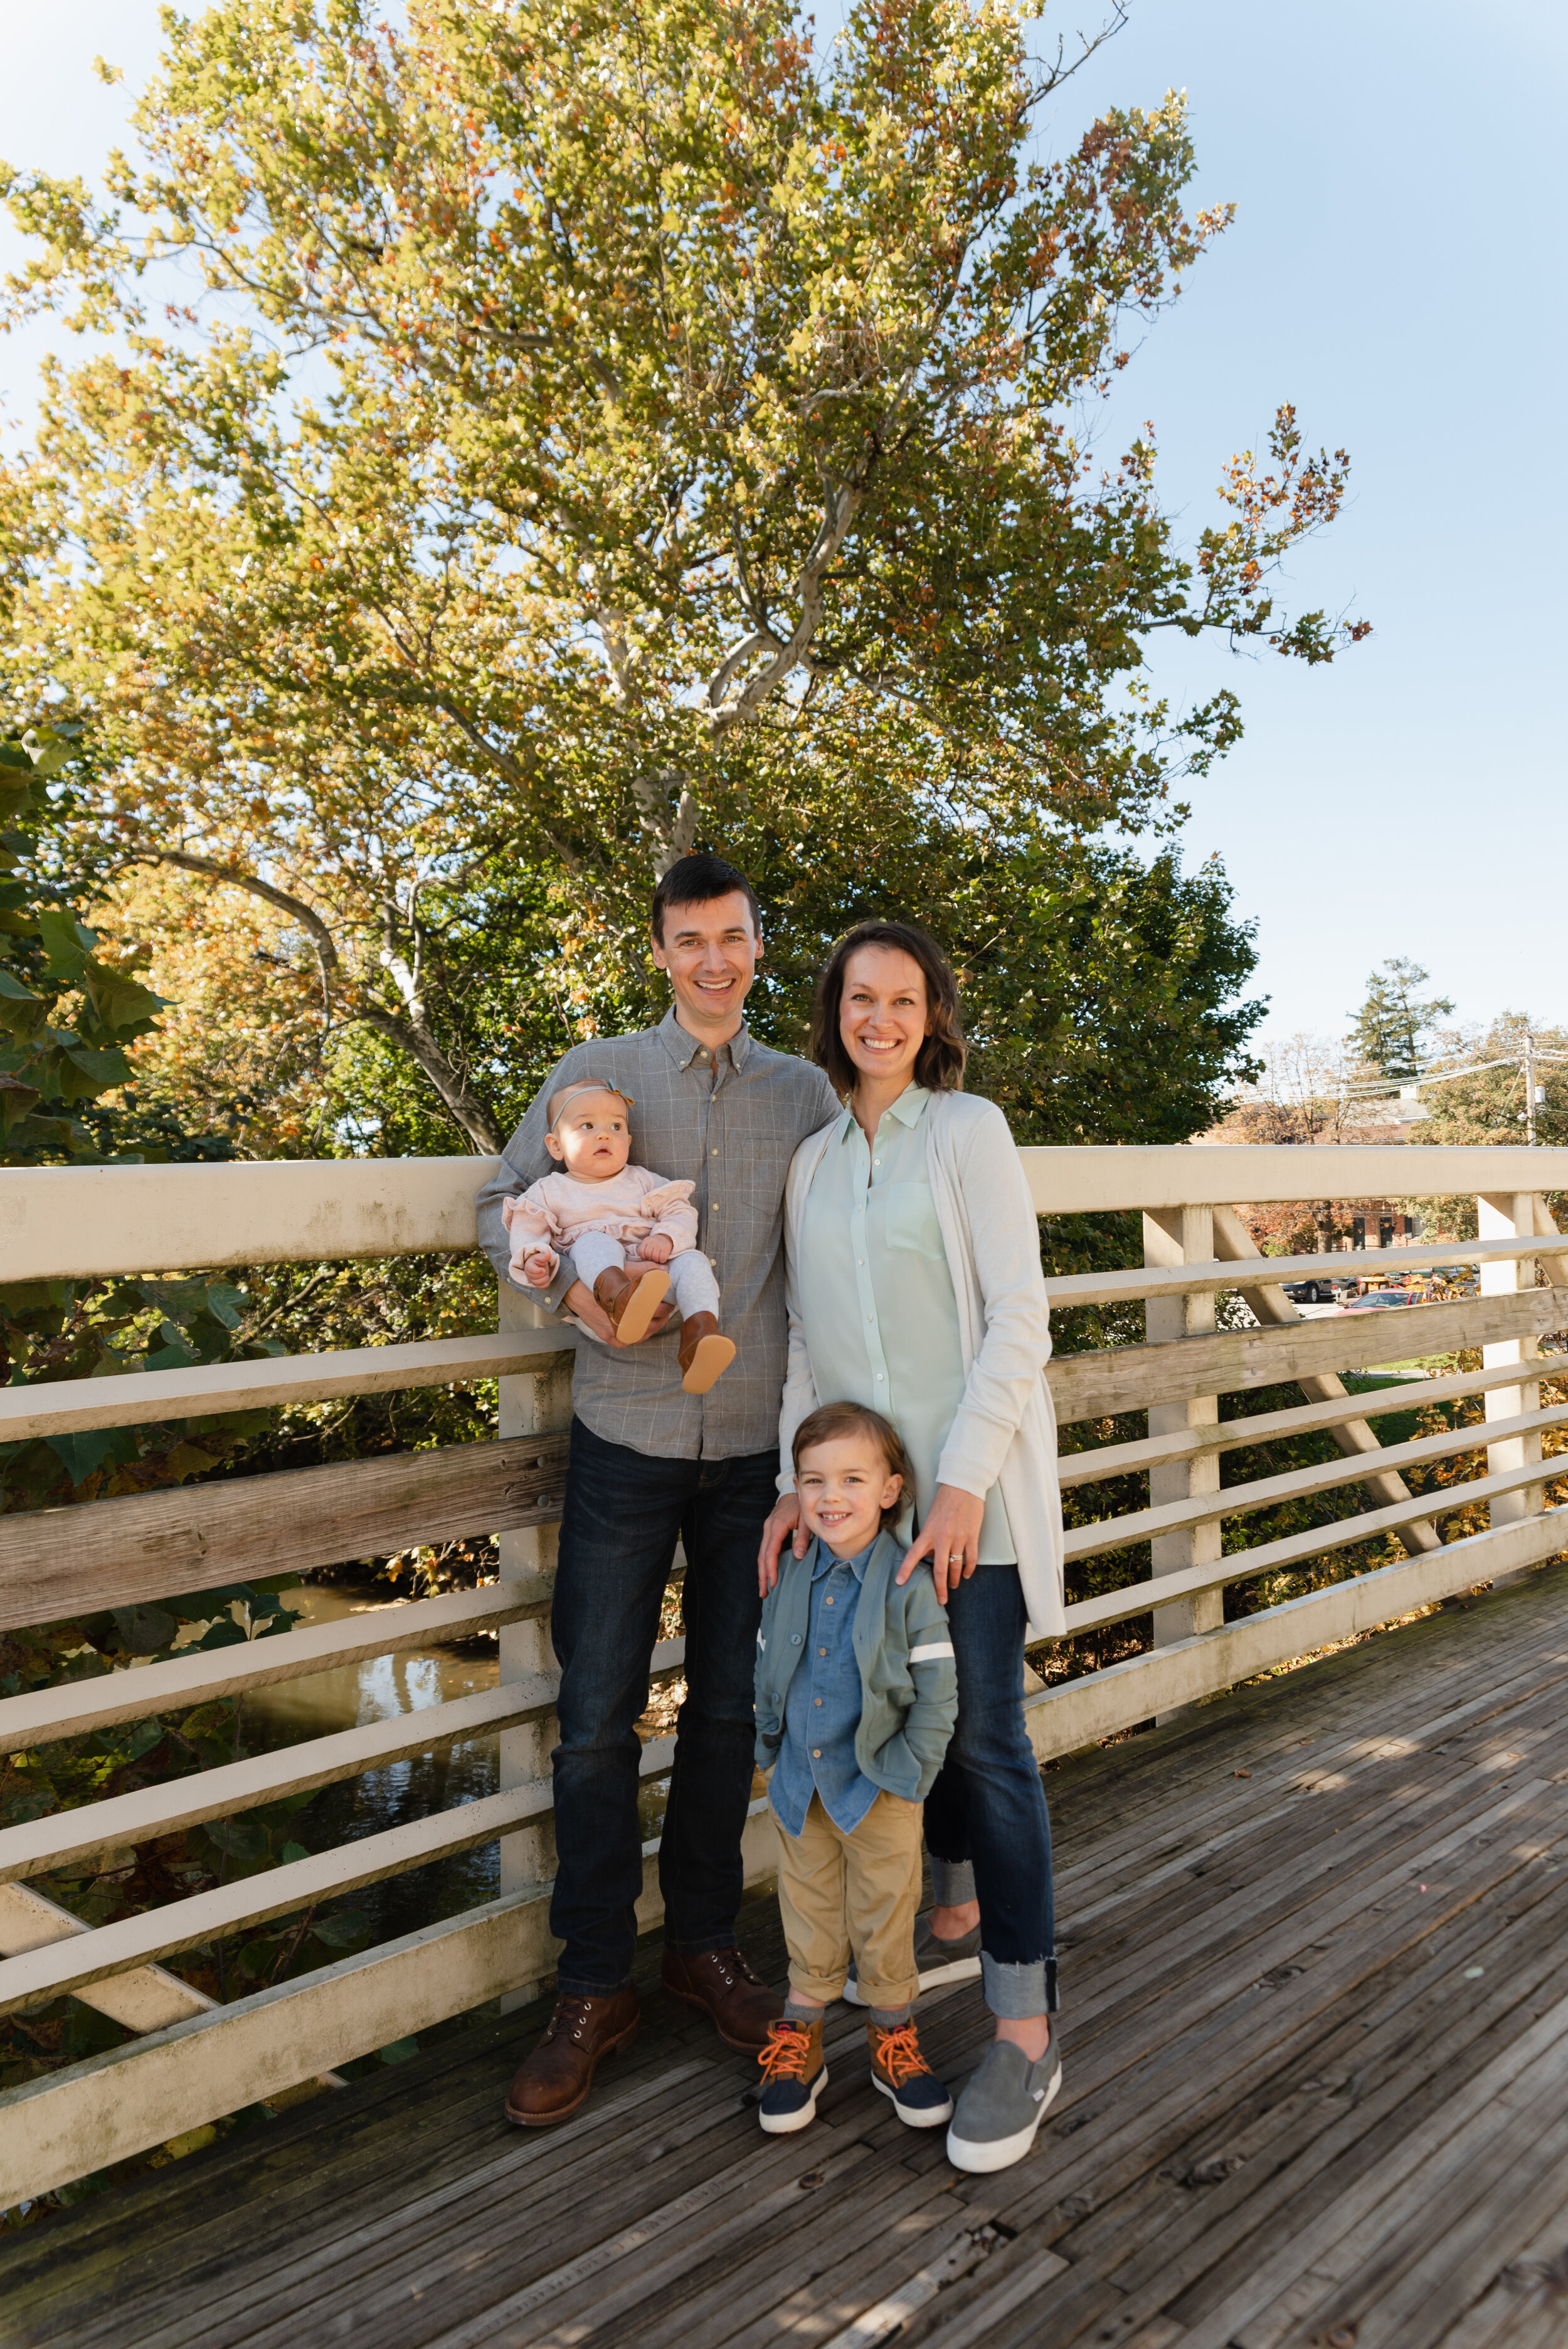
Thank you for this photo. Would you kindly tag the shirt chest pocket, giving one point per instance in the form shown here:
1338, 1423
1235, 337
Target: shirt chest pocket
912, 1220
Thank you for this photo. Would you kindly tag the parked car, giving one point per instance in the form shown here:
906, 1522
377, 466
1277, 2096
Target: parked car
1375, 1298
1311, 1292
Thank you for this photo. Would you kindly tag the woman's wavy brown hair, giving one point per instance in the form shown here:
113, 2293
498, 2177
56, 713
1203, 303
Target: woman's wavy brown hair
940, 1066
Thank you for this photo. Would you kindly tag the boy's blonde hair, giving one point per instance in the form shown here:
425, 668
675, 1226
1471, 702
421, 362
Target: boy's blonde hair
835, 1419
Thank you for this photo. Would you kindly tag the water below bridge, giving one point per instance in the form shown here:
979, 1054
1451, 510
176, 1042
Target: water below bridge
378, 1689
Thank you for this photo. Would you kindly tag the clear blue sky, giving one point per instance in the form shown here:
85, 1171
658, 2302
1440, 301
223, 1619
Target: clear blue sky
1396, 270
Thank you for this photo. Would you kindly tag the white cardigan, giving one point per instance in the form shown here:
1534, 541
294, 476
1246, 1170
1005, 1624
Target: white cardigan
1005, 1432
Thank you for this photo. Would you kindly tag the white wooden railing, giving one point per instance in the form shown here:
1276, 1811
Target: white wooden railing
193, 2060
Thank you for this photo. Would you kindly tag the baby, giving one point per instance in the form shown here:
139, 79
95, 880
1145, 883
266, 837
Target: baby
621, 1225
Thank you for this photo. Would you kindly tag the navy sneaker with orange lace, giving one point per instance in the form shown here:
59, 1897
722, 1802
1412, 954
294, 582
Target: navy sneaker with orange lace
793, 2074
903, 2073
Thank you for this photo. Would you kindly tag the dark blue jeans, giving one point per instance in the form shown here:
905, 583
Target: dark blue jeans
623, 1515
986, 1823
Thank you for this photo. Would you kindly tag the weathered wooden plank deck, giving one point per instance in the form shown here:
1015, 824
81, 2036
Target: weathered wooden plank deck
1316, 2049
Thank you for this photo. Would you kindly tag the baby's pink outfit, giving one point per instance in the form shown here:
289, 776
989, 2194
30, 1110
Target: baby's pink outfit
553, 1214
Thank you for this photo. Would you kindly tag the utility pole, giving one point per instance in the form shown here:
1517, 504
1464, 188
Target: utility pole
1530, 1089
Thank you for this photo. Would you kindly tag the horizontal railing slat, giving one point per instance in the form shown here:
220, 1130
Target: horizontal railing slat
1090, 1467
1073, 1713
1272, 1557
68, 1966
1132, 1378
132, 1399
55, 1563
77, 1222
126, 1820
70, 1222
1301, 1483
1138, 1281
45, 1714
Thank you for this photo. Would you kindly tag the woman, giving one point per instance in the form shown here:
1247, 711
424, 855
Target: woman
915, 1285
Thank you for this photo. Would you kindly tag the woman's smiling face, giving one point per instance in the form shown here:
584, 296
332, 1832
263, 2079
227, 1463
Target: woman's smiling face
883, 1015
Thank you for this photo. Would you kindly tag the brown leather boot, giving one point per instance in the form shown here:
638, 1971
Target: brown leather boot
722, 1984
631, 1299
705, 1356
553, 2083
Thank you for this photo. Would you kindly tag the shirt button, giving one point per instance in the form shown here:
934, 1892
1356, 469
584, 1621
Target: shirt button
821, 1651
816, 1752
828, 1602
878, 1378
818, 1704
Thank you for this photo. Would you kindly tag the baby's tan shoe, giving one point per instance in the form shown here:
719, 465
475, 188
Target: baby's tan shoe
631, 1301
705, 1356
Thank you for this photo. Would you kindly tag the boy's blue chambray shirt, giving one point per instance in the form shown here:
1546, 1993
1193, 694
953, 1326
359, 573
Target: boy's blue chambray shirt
822, 1709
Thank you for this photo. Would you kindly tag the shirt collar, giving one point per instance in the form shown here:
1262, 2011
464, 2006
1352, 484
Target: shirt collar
823, 1562
908, 1109
683, 1047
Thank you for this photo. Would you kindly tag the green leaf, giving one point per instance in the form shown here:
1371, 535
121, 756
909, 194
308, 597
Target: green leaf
82, 1454
122, 1004
65, 942
245, 1844
224, 1633
146, 1630
344, 1930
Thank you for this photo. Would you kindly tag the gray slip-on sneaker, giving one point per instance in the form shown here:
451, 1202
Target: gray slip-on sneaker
1000, 2108
935, 1961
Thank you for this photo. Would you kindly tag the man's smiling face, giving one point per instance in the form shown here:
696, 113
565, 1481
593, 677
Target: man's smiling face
711, 953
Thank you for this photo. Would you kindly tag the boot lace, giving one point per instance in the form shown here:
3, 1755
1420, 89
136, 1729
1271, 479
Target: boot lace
572, 2008
786, 2054
898, 2053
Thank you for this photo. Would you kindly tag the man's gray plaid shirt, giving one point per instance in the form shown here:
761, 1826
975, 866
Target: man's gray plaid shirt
730, 1125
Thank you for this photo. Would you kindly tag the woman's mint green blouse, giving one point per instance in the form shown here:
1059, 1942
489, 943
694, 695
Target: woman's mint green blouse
876, 1296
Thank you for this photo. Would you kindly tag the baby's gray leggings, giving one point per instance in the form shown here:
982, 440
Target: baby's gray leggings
692, 1283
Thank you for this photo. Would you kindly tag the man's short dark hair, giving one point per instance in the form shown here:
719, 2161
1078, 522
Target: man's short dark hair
697, 881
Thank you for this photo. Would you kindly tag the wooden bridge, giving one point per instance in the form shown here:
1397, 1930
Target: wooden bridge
1316, 2051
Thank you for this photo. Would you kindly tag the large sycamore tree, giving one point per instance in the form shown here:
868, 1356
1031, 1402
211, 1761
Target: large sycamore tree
588, 430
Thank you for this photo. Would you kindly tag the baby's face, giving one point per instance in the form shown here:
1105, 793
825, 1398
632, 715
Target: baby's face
591, 1138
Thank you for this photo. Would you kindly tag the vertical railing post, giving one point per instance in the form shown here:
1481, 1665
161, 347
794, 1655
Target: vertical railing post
1174, 1236
537, 1404
1505, 1216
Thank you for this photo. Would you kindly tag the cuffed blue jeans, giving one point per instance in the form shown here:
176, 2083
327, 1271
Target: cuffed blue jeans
624, 1513
987, 1829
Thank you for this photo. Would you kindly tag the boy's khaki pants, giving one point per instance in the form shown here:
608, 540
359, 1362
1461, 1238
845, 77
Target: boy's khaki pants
844, 1895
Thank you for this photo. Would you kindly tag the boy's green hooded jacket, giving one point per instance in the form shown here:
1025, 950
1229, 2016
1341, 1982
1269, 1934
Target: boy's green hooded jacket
909, 1686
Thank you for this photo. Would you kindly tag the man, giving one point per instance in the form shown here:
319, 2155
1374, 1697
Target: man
649, 1464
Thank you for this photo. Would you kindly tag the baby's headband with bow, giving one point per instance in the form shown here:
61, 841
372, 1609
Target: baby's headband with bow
563, 1101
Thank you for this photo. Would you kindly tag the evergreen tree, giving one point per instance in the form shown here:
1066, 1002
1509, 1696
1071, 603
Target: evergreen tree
1394, 1021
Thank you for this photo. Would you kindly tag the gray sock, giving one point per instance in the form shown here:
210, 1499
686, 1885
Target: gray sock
889, 2018
795, 2012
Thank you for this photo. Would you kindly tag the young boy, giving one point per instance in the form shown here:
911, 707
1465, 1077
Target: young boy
856, 1699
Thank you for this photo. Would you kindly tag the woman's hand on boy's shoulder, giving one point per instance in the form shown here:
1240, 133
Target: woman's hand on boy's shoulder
783, 1525
950, 1538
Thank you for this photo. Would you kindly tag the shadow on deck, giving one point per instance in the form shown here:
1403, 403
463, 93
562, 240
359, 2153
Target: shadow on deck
1317, 2091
